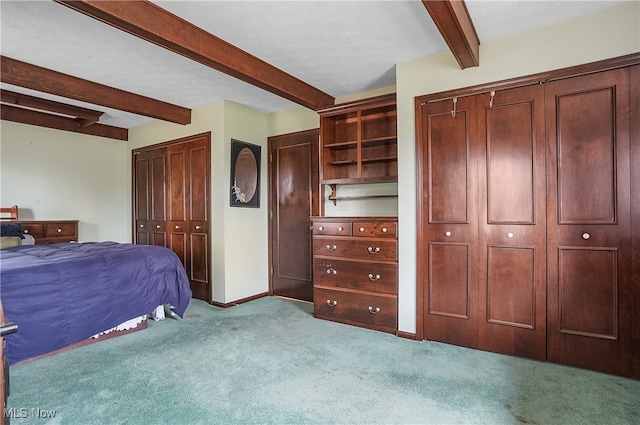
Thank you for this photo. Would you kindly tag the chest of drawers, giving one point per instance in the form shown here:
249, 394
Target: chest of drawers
48, 232
355, 271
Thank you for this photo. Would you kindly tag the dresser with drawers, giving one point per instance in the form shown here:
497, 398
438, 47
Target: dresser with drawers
51, 231
355, 271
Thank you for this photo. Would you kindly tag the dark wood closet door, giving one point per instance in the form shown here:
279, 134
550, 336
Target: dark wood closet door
188, 223
448, 243
512, 240
149, 197
589, 276
634, 84
294, 198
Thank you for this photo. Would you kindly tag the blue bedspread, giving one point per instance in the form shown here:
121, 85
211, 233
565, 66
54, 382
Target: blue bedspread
65, 293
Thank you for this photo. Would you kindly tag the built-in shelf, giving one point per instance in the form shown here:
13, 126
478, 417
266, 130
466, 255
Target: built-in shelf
359, 141
334, 196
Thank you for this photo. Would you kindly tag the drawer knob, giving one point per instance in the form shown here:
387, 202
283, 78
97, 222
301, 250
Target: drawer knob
361, 229
332, 303
198, 227
177, 227
447, 233
374, 310
59, 230
25, 231
142, 225
331, 270
585, 236
340, 229
157, 226
373, 250
384, 230
510, 235
331, 247
373, 278
321, 228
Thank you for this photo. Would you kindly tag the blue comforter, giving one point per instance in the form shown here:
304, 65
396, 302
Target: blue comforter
65, 293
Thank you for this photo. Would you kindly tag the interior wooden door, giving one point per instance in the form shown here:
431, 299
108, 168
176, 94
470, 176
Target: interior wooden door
448, 242
589, 262
634, 85
293, 198
512, 239
188, 209
149, 196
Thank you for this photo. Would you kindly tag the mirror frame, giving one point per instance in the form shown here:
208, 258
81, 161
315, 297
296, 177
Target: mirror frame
234, 200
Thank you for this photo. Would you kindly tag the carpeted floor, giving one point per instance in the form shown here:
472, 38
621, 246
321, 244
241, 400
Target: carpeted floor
269, 361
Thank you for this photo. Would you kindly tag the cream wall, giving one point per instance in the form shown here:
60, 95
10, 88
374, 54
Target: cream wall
609, 33
292, 120
58, 175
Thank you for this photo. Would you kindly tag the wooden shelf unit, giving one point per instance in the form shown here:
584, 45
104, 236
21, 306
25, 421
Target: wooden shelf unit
359, 141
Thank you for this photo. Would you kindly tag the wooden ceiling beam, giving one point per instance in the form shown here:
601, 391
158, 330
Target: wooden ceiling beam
85, 117
156, 25
44, 80
58, 122
454, 23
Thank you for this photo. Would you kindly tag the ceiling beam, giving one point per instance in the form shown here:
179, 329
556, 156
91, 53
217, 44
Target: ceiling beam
44, 80
454, 23
156, 25
58, 122
85, 117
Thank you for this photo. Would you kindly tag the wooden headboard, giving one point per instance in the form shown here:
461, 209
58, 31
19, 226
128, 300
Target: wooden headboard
9, 214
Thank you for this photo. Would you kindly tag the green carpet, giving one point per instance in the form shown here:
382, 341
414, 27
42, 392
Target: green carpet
269, 361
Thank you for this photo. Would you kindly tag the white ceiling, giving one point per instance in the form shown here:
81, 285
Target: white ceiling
340, 47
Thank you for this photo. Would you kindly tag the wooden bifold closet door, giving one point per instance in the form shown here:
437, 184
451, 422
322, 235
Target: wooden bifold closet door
589, 230
171, 186
149, 198
188, 210
484, 225
525, 239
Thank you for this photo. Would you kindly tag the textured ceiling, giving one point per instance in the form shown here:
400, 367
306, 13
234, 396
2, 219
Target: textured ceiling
340, 47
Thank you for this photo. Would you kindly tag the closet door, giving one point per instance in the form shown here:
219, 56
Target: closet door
448, 243
512, 237
149, 197
634, 84
589, 245
188, 205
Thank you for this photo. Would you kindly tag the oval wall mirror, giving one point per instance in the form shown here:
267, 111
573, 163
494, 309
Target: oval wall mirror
246, 175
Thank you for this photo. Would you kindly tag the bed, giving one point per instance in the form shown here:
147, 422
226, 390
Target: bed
62, 294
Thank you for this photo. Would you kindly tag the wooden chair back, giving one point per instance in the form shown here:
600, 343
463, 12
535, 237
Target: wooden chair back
9, 214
